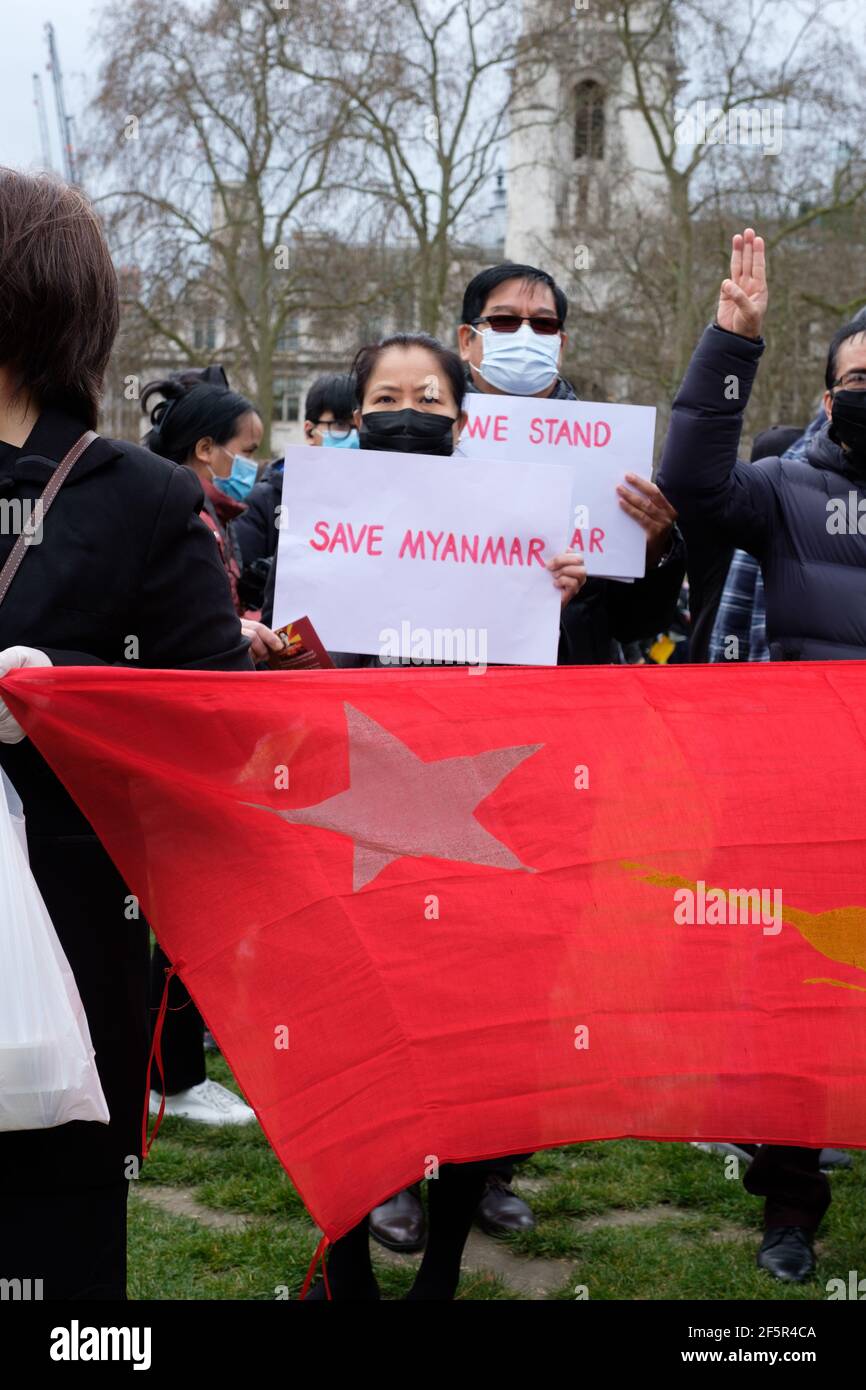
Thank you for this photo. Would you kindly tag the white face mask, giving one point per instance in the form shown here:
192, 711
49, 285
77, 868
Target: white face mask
521, 363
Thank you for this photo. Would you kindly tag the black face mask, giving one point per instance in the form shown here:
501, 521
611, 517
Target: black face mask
407, 431
849, 424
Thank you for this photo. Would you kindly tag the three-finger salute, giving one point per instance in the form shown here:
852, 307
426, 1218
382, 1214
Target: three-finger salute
743, 298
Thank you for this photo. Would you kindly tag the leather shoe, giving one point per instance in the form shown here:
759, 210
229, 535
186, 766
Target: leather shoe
400, 1224
786, 1253
501, 1212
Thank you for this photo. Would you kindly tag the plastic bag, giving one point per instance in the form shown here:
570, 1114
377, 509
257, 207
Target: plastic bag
48, 1071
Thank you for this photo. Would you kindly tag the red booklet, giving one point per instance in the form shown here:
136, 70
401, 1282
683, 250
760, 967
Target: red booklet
302, 648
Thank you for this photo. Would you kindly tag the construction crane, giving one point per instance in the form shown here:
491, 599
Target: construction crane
39, 103
64, 121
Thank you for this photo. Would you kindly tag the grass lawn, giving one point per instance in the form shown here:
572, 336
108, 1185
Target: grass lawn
215, 1217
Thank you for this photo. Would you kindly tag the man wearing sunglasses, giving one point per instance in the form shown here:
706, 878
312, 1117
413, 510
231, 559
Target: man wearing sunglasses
511, 337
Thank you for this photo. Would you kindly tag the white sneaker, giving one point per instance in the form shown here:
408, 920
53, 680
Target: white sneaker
723, 1148
208, 1102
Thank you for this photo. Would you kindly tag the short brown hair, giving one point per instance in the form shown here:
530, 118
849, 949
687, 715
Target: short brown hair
59, 302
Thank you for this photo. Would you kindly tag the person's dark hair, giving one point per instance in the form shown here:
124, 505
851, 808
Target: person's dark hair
852, 329
335, 392
59, 301
214, 375
188, 413
480, 288
368, 356
772, 443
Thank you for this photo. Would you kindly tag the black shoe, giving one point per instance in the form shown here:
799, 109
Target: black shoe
400, 1224
500, 1211
786, 1253
317, 1293
834, 1158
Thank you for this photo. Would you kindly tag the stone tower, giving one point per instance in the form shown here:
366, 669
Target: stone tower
582, 162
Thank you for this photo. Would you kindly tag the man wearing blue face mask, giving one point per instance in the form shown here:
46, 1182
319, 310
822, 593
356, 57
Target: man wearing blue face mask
512, 339
328, 413
512, 333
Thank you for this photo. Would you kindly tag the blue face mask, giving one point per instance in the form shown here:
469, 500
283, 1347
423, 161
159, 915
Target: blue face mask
350, 441
522, 363
239, 484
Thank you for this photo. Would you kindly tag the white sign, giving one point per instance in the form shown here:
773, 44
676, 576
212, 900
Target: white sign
413, 555
600, 443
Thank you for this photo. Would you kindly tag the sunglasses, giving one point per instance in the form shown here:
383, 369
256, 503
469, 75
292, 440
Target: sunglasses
509, 323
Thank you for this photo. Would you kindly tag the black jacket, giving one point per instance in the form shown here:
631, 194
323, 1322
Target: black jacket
256, 532
814, 580
124, 557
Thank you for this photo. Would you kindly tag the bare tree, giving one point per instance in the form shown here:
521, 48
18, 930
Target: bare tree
430, 88
738, 110
217, 165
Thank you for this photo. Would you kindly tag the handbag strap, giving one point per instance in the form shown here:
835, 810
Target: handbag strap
52, 487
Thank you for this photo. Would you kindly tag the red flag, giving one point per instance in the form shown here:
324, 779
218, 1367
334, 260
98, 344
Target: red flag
434, 916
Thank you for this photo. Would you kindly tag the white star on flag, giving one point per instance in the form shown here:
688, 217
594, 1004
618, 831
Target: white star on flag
396, 804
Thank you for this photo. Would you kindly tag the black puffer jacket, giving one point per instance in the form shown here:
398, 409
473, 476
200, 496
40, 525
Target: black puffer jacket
815, 580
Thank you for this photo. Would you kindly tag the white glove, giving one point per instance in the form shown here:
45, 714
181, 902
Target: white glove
11, 659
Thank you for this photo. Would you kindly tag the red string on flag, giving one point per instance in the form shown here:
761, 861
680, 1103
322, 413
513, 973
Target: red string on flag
319, 1255
156, 1057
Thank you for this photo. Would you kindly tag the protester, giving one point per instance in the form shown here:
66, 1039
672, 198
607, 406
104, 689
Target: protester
124, 556
215, 432
410, 400
813, 581
329, 412
511, 340
327, 424
740, 611
734, 616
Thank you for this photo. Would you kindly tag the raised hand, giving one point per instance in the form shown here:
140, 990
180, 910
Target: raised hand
743, 298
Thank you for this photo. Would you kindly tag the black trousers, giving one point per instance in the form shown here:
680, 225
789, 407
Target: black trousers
73, 1241
795, 1190
182, 1033
504, 1167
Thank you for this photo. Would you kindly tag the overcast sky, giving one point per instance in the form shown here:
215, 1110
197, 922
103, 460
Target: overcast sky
23, 51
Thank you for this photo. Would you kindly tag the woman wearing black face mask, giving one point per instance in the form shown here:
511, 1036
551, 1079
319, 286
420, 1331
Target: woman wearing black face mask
410, 396
410, 392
